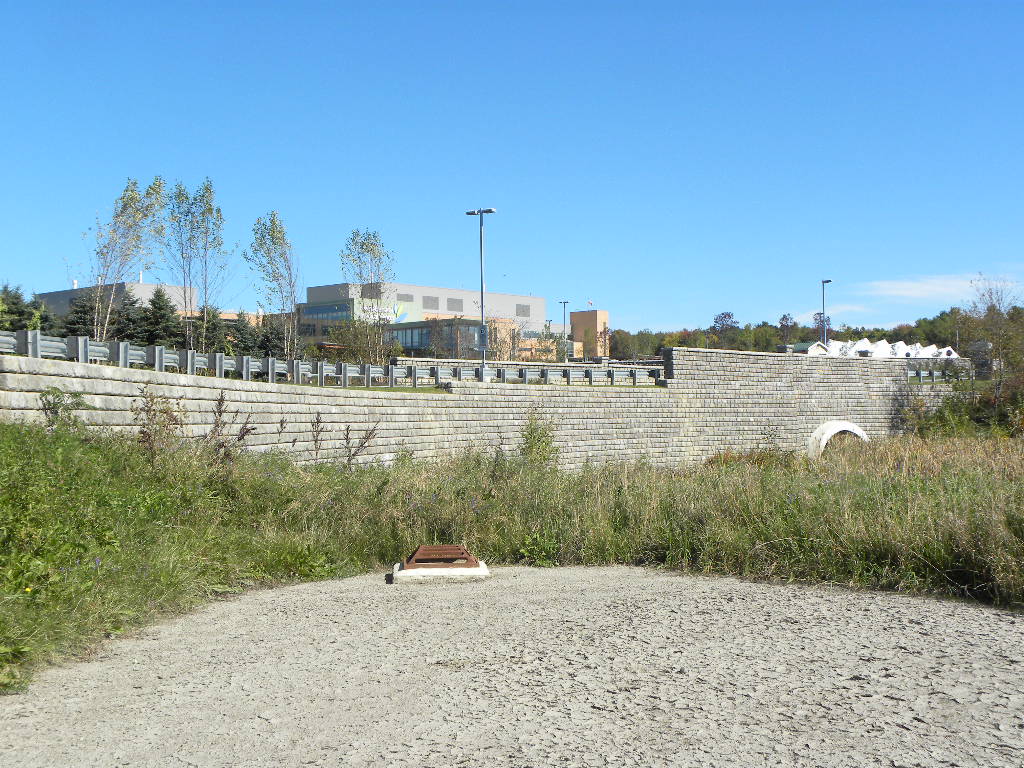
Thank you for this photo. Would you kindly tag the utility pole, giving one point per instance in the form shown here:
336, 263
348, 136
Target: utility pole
483, 320
565, 340
824, 321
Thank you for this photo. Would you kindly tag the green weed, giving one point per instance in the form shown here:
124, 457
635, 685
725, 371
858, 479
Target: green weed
100, 533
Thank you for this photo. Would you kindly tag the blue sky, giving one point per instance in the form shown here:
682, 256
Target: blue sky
665, 160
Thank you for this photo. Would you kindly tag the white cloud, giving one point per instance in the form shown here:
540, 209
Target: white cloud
932, 287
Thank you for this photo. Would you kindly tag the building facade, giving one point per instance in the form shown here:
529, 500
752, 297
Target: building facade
591, 329
402, 304
59, 302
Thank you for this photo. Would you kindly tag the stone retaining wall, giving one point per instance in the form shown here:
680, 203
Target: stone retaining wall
711, 401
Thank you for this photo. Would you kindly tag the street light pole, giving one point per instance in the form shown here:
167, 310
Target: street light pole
565, 341
483, 321
824, 323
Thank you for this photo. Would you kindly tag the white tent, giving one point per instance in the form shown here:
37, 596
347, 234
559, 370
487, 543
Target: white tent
879, 349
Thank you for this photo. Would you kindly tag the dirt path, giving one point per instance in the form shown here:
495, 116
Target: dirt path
566, 667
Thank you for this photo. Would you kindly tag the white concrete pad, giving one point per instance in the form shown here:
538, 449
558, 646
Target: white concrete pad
402, 575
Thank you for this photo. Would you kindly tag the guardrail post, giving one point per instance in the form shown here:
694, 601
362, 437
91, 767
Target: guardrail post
503, 376
367, 378
321, 373
545, 376
295, 371
588, 376
342, 370
411, 372
218, 364
154, 355
634, 375
27, 343
270, 366
391, 375
435, 371
118, 353
243, 364
78, 348
187, 361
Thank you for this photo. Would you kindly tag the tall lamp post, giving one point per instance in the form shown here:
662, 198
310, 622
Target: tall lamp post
483, 322
565, 340
824, 323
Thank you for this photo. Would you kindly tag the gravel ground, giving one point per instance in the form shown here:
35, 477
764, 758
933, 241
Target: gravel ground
538, 667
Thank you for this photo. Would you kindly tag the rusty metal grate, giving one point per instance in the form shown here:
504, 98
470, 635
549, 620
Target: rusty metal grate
441, 556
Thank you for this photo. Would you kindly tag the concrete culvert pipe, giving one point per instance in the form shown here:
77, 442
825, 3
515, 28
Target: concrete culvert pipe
820, 437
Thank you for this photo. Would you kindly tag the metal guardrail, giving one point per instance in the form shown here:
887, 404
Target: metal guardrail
932, 376
319, 372
925, 371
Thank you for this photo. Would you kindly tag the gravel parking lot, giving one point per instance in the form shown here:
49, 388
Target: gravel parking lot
537, 667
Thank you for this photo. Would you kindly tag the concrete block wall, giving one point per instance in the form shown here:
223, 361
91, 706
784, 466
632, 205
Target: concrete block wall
713, 401
739, 400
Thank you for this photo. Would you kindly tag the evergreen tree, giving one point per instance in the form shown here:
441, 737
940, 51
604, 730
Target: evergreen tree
271, 341
212, 331
15, 314
243, 336
129, 321
43, 319
161, 322
80, 316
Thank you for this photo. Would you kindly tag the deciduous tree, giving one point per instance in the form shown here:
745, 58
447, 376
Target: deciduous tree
366, 262
124, 245
786, 326
273, 259
196, 255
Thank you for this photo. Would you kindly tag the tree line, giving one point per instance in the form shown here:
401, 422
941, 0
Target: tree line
154, 322
993, 316
180, 231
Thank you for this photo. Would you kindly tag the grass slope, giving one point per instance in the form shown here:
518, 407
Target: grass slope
100, 533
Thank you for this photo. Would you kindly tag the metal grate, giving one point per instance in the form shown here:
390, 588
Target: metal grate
441, 556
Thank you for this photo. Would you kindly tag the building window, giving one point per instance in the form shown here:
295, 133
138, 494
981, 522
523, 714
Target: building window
405, 297
370, 291
522, 310
413, 339
431, 302
454, 305
327, 312
307, 329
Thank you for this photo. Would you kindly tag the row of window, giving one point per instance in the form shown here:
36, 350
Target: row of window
326, 312
456, 305
343, 311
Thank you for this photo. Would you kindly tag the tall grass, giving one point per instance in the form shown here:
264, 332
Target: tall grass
100, 533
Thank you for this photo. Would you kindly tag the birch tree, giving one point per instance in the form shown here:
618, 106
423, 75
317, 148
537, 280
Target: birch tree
271, 256
365, 261
196, 256
124, 245
991, 314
